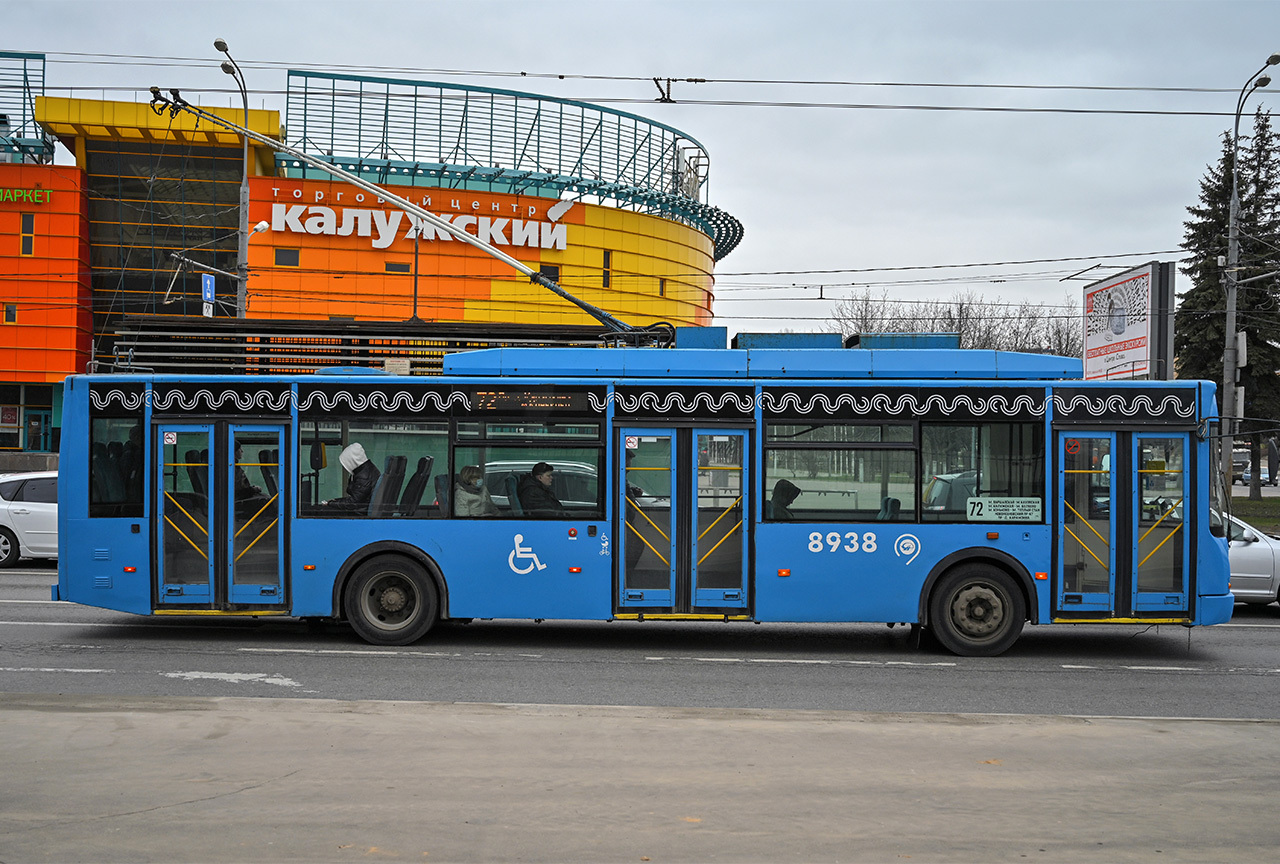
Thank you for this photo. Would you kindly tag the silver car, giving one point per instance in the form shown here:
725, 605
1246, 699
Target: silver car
1255, 563
28, 516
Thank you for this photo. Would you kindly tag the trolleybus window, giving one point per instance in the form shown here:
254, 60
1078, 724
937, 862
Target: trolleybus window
844, 472
988, 472
403, 452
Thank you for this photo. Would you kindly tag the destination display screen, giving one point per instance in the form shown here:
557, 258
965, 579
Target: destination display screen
511, 400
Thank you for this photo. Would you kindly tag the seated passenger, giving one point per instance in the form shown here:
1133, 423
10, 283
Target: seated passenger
364, 476
784, 492
470, 498
244, 487
534, 492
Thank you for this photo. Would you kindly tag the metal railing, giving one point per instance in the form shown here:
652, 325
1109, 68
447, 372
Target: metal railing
402, 132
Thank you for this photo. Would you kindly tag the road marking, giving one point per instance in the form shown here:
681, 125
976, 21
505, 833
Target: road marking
52, 624
799, 661
48, 669
234, 677
362, 653
47, 602
1069, 666
1163, 668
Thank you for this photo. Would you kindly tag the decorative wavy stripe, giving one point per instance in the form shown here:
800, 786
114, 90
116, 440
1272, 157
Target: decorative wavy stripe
207, 399
902, 404
128, 401
664, 402
211, 400
1127, 405
376, 400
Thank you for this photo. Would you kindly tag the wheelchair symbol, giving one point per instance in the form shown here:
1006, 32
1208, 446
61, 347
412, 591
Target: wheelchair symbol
524, 553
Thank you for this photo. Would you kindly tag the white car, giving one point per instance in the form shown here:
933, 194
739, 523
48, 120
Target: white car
1255, 563
28, 516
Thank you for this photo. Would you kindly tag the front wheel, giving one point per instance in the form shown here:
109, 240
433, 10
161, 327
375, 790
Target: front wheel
977, 611
391, 601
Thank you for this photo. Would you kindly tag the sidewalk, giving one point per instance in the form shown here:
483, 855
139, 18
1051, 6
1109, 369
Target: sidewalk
223, 779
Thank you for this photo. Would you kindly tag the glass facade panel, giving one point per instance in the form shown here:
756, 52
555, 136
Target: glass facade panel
149, 199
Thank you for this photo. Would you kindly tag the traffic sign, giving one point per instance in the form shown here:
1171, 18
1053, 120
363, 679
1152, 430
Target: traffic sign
206, 293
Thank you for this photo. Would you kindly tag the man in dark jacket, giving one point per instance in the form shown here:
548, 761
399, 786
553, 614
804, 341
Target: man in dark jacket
784, 492
364, 476
534, 492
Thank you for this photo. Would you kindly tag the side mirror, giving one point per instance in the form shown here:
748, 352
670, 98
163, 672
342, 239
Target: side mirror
1217, 531
1249, 537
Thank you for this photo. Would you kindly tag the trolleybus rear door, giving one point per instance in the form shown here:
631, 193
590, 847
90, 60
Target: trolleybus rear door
185, 549
682, 539
1086, 523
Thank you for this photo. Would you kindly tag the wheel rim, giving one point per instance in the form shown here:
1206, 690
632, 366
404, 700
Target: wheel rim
5, 548
390, 601
979, 611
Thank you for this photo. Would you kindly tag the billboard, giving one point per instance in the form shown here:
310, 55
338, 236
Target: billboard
1128, 321
334, 251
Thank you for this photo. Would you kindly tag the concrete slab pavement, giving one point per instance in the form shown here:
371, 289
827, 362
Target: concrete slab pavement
223, 779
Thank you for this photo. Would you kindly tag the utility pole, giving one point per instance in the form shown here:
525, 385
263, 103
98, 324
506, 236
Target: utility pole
242, 261
1230, 355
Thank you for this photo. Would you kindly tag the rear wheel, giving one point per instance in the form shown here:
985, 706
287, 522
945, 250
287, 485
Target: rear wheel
8, 548
977, 611
391, 600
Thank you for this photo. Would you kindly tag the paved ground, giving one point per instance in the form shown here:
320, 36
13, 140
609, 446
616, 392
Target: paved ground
220, 779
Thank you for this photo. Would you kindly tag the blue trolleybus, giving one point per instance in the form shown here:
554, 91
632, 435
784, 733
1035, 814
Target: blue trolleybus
968, 492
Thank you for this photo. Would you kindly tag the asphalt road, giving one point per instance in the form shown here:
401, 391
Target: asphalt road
143, 739
1228, 671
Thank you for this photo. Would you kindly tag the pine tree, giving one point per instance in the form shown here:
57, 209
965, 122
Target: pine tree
1199, 322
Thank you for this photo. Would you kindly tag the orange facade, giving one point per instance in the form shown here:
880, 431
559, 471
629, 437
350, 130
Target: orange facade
45, 318
333, 251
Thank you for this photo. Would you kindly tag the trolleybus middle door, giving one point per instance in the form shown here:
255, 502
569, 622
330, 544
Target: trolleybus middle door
683, 538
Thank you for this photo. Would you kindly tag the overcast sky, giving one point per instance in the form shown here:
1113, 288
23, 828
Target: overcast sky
852, 189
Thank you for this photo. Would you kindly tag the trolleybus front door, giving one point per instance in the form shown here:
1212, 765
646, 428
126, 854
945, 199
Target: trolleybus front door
1161, 540
682, 539
218, 534
1122, 543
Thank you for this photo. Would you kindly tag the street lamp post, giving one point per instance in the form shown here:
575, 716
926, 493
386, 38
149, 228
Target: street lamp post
242, 262
1231, 354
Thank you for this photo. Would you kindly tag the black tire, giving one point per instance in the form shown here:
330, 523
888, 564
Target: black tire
391, 600
9, 550
977, 611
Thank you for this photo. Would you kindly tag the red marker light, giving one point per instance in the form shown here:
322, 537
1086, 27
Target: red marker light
575, 569
786, 572
1042, 575
573, 532
131, 569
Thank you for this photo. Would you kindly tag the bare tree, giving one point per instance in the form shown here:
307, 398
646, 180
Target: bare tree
1028, 327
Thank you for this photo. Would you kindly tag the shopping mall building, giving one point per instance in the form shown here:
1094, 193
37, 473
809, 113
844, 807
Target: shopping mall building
609, 204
